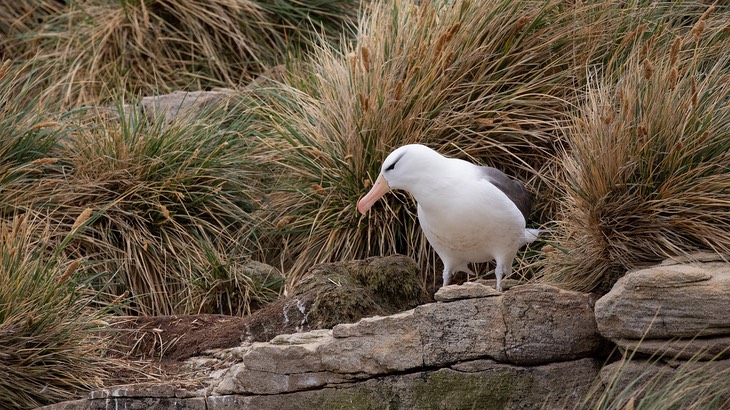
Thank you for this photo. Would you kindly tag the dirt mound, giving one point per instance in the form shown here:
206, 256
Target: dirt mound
330, 294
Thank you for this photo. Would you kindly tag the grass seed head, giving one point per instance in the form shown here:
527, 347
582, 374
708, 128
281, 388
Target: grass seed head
72, 267
4, 68
82, 218
648, 69
365, 53
674, 53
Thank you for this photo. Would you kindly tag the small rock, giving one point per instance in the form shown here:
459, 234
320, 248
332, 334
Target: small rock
184, 103
468, 290
265, 277
506, 283
461, 330
377, 325
286, 359
374, 346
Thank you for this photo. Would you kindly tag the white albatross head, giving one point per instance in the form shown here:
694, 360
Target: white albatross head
402, 169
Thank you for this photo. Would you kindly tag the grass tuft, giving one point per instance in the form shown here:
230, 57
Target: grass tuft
95, 48
53, 343
29, 133
647, 168
171, 209
659, 383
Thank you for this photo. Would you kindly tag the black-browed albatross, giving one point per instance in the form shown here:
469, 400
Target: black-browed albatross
469, 213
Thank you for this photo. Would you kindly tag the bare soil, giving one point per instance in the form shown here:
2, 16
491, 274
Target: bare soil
332, 294
176, 338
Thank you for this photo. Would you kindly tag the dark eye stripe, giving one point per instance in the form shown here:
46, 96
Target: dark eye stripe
392, 166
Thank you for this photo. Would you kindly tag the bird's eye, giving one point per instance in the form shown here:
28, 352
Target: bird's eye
395, 161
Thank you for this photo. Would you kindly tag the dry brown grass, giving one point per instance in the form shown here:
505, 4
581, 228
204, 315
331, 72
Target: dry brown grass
96, 49
53, 341
494, 82
19, 17
647, 166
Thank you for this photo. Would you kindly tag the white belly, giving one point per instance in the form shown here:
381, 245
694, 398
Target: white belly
471, 225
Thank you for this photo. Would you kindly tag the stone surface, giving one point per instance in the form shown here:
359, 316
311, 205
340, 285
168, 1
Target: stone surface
461, 330
498, 386
468, 290
530, 324
193, 103
241, 380
668, 301
484, 385
374, 346
184, 103
700, 348
453, 354
545, 324
301, 338
377, 325
140, 390
291, 363
284, 359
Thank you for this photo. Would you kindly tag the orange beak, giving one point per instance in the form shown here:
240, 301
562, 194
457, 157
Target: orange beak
380, 188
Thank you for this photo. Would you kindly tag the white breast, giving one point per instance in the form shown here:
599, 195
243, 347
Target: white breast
467, 219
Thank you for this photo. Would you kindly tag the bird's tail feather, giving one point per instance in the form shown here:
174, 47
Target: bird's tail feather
532, 234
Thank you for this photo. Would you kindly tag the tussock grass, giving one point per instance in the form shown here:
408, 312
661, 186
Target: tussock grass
661, 383
97, 47
647, 168
173, 209
29, 131
52, 342
170, 204
494, 82
19, 17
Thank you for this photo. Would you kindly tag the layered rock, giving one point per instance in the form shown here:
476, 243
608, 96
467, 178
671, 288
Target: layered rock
676, 315
525, 348
671, 309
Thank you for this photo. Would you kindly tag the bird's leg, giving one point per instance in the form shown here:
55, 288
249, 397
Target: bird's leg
447, 276
469, 273
498, 274
502, 270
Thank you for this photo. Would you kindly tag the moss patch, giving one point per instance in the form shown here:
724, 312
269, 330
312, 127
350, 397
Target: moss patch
348, 291
427, 390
